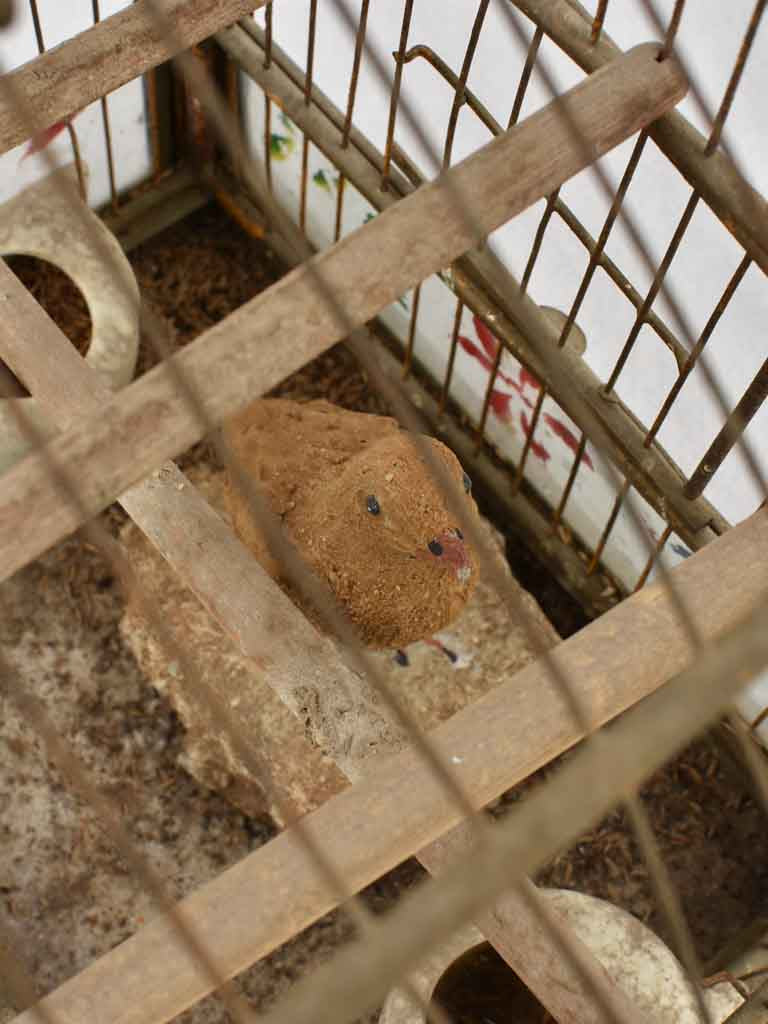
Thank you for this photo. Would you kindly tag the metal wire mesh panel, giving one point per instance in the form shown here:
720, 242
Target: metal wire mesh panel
104, 132
422, 240
589, 271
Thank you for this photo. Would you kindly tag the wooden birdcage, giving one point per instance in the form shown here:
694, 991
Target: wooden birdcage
541, 245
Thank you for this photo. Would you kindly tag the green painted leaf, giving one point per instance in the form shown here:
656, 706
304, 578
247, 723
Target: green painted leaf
320, 178
280, 146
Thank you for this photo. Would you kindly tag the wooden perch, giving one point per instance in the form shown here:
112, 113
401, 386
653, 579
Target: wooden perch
348, 723
256, 347
118, 49
616, 661
199, 545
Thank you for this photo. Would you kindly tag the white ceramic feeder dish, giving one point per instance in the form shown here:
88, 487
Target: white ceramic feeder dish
41, 222
633, 956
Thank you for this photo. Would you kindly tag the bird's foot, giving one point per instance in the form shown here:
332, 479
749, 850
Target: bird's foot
450, 649
452, 656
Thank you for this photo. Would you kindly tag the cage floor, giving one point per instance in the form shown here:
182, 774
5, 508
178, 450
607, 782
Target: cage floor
64, 891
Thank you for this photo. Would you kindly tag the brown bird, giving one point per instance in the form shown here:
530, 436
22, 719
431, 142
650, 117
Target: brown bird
360, 505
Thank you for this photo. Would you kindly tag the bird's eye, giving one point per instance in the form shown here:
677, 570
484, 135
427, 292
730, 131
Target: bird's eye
467, 483
372, 505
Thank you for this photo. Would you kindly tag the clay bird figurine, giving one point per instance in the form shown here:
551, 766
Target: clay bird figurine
360, 505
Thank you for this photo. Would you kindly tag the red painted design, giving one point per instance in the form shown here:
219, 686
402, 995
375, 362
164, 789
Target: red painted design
559, 428
500, 401
487, 340
486, 361
527, 378
472, 350
44, 138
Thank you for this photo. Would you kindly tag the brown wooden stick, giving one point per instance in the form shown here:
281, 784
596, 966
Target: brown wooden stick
57, 374
516, 928
348, 724
259, 345
205, 553
93, 63
617, 761
271, 895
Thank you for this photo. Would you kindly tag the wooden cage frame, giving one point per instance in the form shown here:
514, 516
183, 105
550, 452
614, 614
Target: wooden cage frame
678, 636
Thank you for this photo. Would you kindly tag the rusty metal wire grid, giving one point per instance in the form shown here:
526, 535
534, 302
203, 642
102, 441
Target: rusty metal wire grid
485, 305
492, 859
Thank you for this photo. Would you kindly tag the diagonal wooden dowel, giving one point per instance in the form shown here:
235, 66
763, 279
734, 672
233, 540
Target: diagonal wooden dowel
237, 592
66, 78
256, 347
629, 654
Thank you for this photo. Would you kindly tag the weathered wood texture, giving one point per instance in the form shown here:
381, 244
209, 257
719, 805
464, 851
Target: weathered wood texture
203, 550
347, 723
476, 277
516, 930
393, 813
259, 345
617, 761
102, 58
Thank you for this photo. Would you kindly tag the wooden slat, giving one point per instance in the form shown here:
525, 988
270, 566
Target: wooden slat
256, 347
203, 550
271, 895
515, 929
106, 56
347, 722
615, 763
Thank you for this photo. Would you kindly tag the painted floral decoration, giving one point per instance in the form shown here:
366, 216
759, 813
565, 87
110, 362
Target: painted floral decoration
45, 138
501, 401
281, 146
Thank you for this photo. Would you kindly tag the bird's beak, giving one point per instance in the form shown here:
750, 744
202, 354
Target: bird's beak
454, 553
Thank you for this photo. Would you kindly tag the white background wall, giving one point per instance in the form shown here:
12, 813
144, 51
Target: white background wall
60, 20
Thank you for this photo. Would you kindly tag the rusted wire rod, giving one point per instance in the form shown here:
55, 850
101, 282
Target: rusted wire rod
149, 421
95, 62
740, 208
499, 740
730, 433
